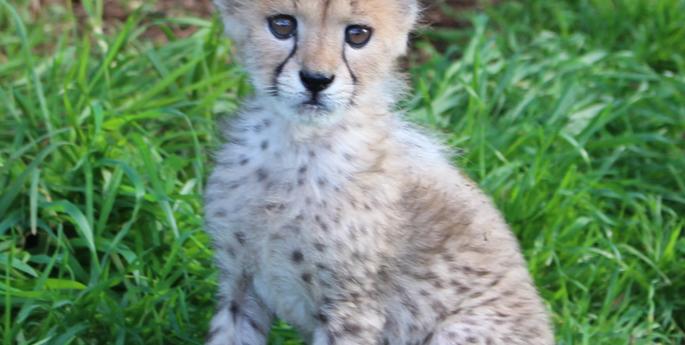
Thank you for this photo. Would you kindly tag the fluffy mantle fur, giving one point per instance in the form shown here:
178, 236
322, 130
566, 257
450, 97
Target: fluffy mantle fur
343, 219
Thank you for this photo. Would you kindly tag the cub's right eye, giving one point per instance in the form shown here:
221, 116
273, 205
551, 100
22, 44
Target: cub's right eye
282, 26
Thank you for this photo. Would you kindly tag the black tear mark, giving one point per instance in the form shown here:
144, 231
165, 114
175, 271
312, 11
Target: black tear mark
347, 63
355, 80
279, 69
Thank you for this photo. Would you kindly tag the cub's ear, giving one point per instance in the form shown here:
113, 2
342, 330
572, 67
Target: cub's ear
230, 12
411, 12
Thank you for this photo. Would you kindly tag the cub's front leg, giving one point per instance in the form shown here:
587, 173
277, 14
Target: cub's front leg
241, 318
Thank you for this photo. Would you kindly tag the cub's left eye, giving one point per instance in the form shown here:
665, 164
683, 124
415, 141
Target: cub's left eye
357, 36
282, 26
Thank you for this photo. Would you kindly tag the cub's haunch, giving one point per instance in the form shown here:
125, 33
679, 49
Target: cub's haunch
329, 211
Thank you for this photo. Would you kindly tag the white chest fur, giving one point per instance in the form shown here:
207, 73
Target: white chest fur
292, 207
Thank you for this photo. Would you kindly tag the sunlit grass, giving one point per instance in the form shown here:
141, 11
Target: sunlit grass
106, 139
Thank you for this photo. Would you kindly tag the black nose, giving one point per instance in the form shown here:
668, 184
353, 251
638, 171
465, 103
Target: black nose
315, 82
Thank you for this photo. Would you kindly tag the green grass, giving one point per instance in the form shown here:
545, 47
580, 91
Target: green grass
570, 113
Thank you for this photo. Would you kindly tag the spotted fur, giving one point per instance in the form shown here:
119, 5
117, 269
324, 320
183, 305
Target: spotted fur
340, 217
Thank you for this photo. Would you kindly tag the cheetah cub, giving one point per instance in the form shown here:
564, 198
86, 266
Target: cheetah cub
330, 212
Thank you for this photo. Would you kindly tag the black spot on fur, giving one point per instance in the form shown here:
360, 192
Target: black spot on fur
262, 175
322, 317
210, 336
230, 251
297, 256
351, 328
319, 246
428, 338
234, 308
237, 141
256, 326
240, 236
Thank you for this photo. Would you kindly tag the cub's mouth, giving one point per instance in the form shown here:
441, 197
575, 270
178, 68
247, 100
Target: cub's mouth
314, 105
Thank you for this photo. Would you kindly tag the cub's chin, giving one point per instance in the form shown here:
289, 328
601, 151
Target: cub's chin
314, 107
318, 115
315, 112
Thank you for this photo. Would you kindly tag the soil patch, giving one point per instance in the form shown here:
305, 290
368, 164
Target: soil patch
438, 13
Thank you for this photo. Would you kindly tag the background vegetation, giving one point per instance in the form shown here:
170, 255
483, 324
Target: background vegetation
571, 114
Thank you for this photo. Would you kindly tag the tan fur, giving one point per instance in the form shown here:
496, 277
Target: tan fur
341, 218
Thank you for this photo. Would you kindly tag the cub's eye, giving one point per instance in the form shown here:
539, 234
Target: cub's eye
358, 36
282, 26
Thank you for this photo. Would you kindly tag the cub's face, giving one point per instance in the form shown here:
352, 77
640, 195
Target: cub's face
319, 57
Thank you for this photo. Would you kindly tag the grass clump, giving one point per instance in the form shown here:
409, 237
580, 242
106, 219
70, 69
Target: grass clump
573, 121
583, 151
102, 163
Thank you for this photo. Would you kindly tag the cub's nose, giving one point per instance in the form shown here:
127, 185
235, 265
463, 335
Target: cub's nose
316, 82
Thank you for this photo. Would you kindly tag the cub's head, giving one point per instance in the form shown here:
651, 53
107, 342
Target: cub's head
320, 57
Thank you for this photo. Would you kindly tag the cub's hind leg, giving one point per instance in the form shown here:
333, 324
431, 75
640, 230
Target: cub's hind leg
463, 334
485, 331
358, 322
